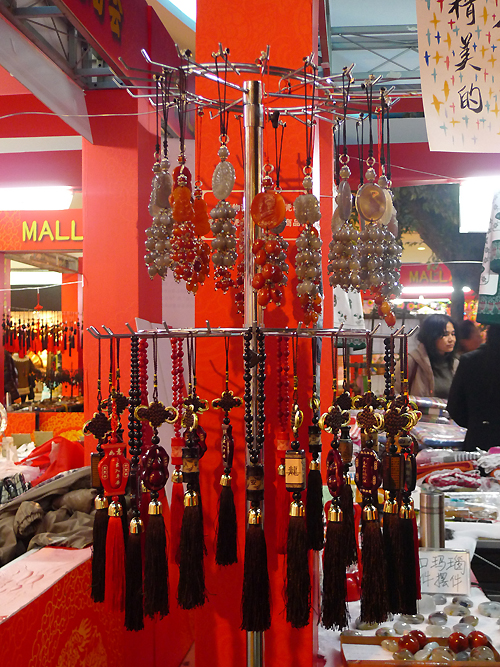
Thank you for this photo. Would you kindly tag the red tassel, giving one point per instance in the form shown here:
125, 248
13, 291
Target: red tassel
176, 512
282, 510
115, 560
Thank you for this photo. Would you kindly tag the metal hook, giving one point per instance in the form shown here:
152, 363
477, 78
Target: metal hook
130, 328
209, 329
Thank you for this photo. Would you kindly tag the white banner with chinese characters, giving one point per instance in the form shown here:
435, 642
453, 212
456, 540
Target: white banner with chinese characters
459, 51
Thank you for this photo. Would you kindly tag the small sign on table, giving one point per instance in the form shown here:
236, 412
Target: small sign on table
445, 571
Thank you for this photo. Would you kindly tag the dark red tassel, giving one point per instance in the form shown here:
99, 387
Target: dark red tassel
99, 548
374, 603
392, 551
417, 556
191, 591
314, 504
282, 510
255, 601
115, 560
334, 613
176, 512
298, 578
408, 580
155, 564
226, 551
134, 616
350, 534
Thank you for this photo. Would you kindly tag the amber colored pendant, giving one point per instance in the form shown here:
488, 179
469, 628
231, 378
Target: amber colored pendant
268, 209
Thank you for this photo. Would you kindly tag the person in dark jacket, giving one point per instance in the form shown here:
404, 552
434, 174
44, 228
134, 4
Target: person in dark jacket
474, 398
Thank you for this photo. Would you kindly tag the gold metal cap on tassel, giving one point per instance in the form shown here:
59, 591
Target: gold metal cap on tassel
391, 506
190, 498
177, 476
115, 509
136, 526
314, 465
281, 470
254, 516
370, 513
101, 503
225, 480
335, 514
297, 508
155, 507
406, 512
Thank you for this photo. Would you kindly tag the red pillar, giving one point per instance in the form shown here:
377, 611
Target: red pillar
289, 29
5, 287
116, 187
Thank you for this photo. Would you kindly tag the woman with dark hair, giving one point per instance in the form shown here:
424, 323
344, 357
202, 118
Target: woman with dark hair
432, 364
475, 393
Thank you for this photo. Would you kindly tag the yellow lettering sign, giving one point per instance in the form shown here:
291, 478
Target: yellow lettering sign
58, 235
74, 237
414, 277
29, 234
423, 277
46, 231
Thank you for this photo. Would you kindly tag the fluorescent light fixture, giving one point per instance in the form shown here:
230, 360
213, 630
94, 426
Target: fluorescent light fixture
49, 198
476, 198
425, 290
35, 278
421, 247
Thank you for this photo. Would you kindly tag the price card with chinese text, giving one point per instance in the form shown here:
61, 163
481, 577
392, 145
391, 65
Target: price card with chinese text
445, 571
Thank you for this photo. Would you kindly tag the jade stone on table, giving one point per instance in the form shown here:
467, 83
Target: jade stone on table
490, 609
456, 610
482, 653
438, 618
463, 600
469, 620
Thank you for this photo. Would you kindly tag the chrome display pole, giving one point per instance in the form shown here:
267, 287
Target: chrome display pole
253, 123
253, 127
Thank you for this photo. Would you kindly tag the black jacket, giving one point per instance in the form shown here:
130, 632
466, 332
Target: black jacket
474, 400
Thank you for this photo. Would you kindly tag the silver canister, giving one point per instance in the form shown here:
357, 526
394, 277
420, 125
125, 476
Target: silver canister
432, 519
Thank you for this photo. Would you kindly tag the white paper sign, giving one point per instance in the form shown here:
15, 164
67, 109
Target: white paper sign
445, 571
458, 45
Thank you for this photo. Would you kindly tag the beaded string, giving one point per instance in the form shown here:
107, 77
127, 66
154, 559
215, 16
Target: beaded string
134, 426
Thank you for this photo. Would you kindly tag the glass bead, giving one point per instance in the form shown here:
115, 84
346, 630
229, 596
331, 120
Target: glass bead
413, 619
362, 625
455, 610
464, 628
462, 656
427, 604
464, 601
437, 631
385, 632
344, 200
441, 654
390, 645
469, 620
482, 653
403, 655
306, 208
490, 609
423, 654
438, 618
402, 628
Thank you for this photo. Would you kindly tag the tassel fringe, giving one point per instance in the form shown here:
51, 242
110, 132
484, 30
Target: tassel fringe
226, 552
298, 579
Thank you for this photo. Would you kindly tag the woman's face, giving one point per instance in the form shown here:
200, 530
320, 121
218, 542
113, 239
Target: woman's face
446, 342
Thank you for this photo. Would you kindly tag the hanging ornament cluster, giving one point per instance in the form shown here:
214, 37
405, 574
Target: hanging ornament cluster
28, 334
308, 257
271, 268
190, 254
224, 244
158, 241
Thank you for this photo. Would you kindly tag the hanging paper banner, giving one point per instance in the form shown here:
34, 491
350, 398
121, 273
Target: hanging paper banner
458, 44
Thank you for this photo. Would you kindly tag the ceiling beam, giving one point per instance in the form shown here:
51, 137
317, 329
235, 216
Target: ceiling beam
375, 29
43, 78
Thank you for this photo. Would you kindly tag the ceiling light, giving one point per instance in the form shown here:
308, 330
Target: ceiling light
424, 290
476, 198
421, 247
49, 198
35, 278
466, 289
